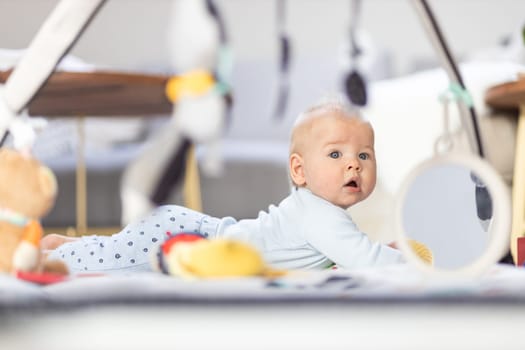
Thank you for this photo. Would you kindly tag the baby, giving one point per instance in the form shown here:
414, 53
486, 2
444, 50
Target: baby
332, 166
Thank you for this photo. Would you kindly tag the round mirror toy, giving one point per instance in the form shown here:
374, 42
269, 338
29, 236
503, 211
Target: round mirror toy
438, 206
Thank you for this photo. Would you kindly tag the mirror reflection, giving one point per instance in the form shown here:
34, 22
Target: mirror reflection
442, 210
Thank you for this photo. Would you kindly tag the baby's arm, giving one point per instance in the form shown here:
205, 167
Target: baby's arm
341, 241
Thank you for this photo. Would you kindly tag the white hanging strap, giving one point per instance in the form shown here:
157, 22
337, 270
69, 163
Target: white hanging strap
444, 142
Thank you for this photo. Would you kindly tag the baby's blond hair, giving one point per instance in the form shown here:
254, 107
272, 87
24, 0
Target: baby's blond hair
327, 106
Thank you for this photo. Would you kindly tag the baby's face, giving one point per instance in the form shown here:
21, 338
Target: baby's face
338, 160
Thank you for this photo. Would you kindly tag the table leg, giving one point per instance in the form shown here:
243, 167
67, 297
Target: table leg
81, 181
192, 190
518, 186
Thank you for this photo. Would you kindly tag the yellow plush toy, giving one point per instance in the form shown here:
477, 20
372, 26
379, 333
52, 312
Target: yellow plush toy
27, 192
192, 255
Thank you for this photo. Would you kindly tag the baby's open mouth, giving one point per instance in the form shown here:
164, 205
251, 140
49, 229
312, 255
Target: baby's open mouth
351, 183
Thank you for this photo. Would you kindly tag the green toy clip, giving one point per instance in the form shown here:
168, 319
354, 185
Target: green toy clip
457, 93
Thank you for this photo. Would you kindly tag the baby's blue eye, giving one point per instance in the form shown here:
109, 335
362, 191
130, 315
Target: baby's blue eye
364, 156
335, 154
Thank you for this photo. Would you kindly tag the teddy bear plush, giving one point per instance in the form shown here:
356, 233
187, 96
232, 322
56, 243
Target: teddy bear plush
27, 192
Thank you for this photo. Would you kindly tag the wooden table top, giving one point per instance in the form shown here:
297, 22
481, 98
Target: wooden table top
507, 95
99, 94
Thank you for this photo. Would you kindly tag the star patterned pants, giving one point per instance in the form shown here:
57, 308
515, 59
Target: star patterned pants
133, 248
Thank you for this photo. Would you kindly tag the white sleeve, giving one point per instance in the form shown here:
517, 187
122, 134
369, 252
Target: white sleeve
331, 231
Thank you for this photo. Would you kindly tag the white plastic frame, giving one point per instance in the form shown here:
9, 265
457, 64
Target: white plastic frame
499, 229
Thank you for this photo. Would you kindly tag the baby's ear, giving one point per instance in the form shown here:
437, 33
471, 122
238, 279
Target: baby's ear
296, 169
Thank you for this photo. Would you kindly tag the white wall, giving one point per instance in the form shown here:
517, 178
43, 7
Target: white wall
129, 34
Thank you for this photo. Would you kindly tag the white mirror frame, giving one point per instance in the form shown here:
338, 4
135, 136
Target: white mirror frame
500, 226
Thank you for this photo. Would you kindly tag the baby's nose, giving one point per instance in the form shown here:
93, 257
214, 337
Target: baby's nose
354, 164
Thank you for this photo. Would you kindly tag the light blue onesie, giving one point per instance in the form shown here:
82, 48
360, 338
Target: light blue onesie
303, 231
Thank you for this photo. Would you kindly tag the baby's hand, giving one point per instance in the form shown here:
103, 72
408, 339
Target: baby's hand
54, 240
393, 245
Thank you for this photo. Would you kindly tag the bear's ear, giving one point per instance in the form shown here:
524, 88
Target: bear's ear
47, 182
